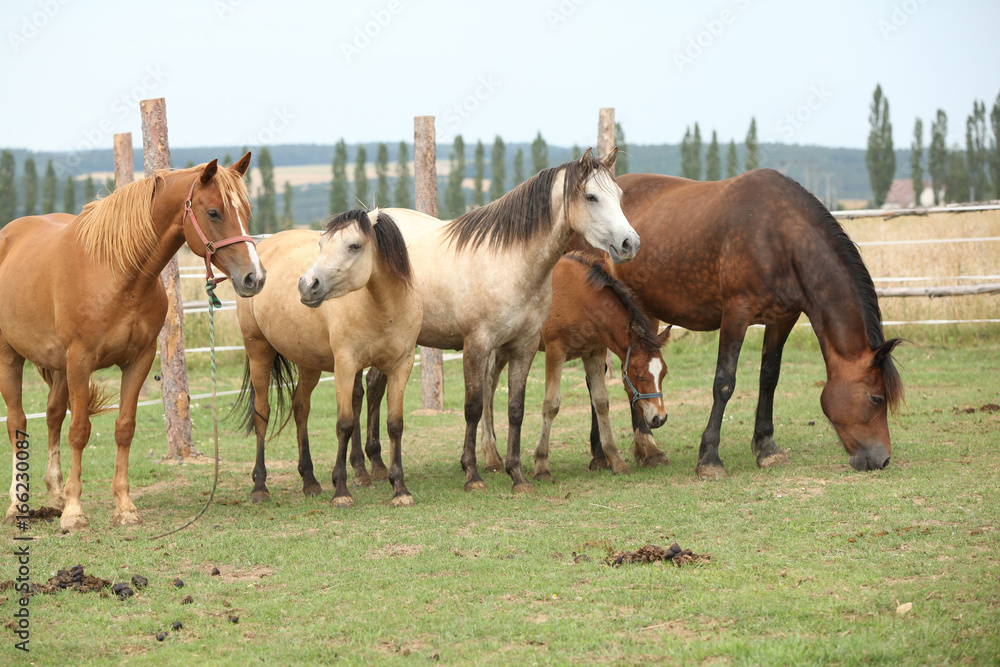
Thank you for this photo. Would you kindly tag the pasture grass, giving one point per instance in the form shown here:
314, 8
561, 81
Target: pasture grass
810, 561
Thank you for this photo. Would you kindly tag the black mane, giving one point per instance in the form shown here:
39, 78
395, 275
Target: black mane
389, 244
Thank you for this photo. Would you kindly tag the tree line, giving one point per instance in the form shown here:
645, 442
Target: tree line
956, 174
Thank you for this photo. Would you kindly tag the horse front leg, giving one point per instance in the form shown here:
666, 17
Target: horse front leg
498, 359
762, 446
301, 406
594, 367
517, 375
374, 391
11, 372
474, 359
397, 378
361, 476
644, 449
261, 356
133, 376
55, 415
78, 382
554, 360
344, 381
731, 337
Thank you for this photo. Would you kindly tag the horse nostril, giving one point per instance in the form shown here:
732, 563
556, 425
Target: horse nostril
314, 286
626, 246
249, 281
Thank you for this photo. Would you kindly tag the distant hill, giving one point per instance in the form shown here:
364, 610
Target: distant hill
830, 173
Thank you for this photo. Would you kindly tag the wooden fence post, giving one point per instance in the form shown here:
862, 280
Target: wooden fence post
124, 163
425, 182
605, 142
173, 361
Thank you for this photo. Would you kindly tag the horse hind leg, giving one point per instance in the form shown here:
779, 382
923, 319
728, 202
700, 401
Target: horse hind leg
301, 405
488, 441
763, 446
361, 476
554, 360
375, 386
517, 374
11, 371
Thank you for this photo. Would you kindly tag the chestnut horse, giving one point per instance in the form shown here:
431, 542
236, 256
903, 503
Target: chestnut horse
760, 249
592, 313
84, 293
362, 312
486, 282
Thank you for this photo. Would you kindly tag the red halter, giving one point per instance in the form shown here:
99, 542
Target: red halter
210, 246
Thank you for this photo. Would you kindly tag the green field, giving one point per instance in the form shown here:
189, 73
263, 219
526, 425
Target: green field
810, 563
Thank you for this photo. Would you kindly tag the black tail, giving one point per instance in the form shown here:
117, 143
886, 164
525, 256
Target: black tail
283, 381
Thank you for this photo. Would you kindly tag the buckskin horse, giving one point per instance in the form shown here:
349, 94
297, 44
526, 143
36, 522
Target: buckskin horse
760, 249
485, 281
82, 293
362, 311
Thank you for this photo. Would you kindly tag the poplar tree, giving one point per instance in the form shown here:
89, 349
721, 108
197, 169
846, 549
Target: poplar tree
518, 168
713, 163
8, 187
957, 183
994, 154
69, 196
621, 162
539, 154
937, 154
880, 156
576, 153
89, 190
732, 161
30, 186
401, 197
975, 151
498, 168
265, 219
338, 184
361, 178
288, 220
917, 160
383, 197
50, 189
247, 180
752, 159
479, 172
454, 195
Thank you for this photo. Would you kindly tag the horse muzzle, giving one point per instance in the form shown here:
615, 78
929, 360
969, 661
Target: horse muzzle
870, 457
250, 284
311, 291
624, 250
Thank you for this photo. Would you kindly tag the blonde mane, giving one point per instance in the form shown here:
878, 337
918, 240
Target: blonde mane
118, 230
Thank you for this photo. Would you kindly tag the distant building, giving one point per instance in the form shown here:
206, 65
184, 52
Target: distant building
901, 195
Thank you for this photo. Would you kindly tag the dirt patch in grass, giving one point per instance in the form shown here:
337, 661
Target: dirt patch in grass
398, 550
229, 575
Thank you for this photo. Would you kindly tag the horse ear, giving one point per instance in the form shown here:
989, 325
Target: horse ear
208, 173
664, 336
883, 351
609, 159
587, 155
158, 184
242, 164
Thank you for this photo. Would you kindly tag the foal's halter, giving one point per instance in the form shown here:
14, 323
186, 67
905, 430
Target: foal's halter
211, 247
636, 396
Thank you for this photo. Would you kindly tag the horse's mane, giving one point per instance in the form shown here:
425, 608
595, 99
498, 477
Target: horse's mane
389, 244
118, 230
847, 251
599, 278
525, 211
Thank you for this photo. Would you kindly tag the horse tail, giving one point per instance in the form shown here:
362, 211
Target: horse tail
101, 397
282, 379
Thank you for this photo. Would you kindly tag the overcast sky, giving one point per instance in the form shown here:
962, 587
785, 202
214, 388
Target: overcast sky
309, 71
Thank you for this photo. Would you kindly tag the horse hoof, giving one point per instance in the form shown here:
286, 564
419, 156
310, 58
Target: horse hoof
477, 485
658, 459
129, 518
343, 502
711, 472
623, 469
380, 474
405, 500
524, 488
543, 476
362, 481
312, 489
771, 460
260, 496
70, 523
599, 464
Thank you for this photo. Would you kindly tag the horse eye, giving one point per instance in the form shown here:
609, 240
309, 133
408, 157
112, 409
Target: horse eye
214, 214
877, 400
591, 198
354, 247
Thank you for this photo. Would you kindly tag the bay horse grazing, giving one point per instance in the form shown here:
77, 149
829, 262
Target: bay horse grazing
486, 282
362, 311
82, 293
760, 249
592, 313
